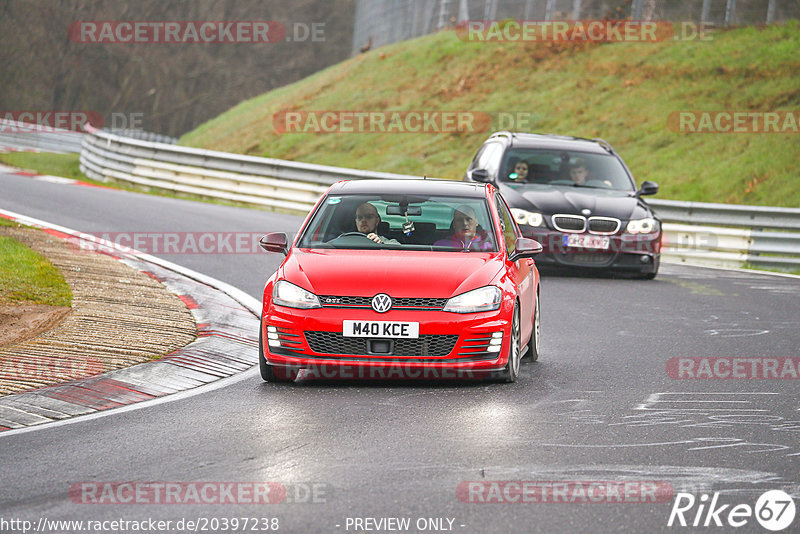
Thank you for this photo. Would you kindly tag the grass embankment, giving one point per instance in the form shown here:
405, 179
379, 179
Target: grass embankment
622, 92
64, 165
27, 277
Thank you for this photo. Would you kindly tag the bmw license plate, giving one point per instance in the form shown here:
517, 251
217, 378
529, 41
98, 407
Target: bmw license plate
585, 241
387, 329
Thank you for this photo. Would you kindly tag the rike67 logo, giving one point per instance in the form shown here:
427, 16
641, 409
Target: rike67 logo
774, 511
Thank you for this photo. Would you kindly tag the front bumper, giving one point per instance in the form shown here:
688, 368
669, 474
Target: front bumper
627, 252
313, 339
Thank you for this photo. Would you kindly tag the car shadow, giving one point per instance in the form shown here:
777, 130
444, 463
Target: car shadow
576, 272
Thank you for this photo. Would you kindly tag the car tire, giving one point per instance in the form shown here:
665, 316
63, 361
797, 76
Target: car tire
269, 373
511, 371
533, 343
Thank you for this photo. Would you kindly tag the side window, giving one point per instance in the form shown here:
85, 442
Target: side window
507, 222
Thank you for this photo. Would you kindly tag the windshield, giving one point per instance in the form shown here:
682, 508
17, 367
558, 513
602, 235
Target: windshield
565, 168
436, 223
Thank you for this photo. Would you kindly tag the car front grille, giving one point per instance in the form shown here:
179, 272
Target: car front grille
425, 345
578, 223
569, 223
588, 258
406, 303
604, 225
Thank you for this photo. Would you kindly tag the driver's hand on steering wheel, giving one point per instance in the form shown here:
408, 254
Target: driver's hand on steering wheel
374, 237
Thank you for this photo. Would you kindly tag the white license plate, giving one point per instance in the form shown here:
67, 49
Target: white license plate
388, 329
587, 241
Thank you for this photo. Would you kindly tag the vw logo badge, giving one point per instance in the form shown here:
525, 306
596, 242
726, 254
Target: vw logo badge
586, 211
381, 302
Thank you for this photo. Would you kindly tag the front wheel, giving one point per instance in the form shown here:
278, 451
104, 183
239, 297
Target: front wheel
533, 344
511, 371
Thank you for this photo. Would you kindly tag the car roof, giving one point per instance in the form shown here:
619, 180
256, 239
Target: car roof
553, 142
410, 186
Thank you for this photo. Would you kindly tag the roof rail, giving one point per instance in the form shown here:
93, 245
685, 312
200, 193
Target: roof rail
503, 133
603, 143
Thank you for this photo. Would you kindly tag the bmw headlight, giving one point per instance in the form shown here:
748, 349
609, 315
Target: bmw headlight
529, 218
642, 226
478, 300
287, 294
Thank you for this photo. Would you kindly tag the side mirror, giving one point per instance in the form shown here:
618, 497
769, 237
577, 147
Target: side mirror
480, 175
274, 242
648, 188
526, 248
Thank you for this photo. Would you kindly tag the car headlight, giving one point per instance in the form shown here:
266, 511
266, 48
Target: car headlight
642, 226
478, 300
529, 218
287, 294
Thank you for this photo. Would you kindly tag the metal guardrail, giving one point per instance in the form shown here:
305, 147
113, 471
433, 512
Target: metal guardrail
694, 232
268, 182
144, 136
729, 235
25, 136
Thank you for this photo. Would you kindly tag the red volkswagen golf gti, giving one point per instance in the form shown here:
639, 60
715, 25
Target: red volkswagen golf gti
402, 278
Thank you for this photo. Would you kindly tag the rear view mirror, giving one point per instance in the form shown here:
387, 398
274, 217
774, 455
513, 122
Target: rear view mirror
526, 248
274, 242
480, 175
398, 210
648, 188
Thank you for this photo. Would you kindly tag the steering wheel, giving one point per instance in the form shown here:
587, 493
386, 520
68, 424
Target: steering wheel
598, 182
353, 234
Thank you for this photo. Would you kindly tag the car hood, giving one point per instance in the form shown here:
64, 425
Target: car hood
602, 204
399, 274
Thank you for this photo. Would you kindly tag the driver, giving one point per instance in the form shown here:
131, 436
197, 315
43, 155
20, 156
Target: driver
579, 172
367, 221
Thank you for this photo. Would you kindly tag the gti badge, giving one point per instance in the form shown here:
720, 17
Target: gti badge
586, 211
381, 302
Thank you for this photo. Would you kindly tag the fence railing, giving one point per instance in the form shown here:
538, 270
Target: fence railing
694, 232
26, 136
730, 235
275, 183
382, 22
